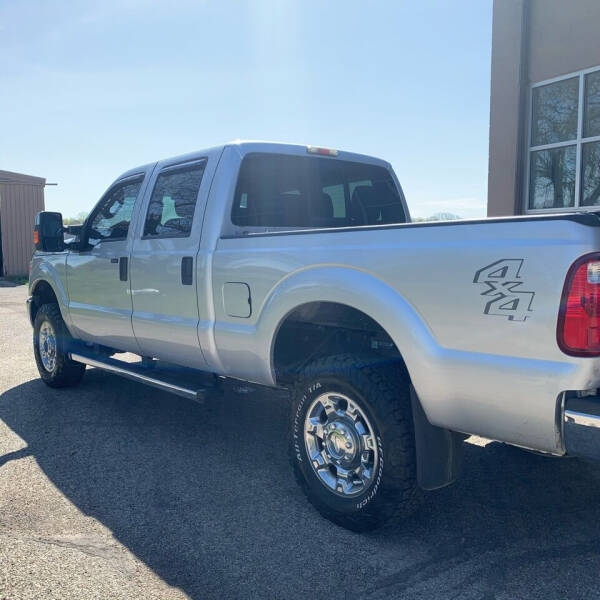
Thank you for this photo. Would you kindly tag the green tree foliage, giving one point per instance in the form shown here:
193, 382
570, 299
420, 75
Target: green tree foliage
77, 220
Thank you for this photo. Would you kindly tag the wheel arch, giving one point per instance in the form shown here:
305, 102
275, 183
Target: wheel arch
359, 291
44, 291
439, 451
322, 328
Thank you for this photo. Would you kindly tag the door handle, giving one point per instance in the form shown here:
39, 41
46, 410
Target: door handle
114, 260
123, 268
187, 270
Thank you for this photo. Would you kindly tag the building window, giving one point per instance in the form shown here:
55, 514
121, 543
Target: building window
564, 147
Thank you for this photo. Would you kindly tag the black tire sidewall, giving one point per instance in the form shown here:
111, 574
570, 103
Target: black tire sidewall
66, 372
44, 315
319, 494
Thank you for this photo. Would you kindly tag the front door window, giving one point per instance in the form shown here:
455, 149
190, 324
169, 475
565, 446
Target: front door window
112, 216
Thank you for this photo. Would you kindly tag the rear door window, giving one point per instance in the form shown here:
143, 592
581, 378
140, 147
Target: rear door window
282, 191
173, 201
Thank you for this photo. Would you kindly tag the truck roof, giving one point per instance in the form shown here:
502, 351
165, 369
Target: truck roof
247, 146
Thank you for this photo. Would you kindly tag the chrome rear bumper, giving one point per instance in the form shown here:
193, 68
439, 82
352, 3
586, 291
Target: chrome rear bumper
581, 426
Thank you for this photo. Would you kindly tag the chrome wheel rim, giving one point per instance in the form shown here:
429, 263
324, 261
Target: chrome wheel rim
47, 346
340, 443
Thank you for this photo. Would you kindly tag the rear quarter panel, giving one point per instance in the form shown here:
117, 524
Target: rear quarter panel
497, 375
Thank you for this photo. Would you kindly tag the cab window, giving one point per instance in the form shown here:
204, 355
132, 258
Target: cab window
111, 218
173, 201
284, 191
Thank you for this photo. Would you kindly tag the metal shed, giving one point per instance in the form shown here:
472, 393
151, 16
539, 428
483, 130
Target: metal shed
21, 198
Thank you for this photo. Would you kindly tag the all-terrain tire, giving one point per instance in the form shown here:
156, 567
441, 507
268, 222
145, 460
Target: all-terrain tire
381, 391
64, 372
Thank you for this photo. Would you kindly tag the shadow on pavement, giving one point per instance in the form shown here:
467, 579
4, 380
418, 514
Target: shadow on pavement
205, 497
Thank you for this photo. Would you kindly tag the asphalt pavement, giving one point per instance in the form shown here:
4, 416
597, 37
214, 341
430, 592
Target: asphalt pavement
113, 490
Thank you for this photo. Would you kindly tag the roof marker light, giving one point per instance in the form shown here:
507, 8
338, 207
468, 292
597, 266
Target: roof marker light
322, 151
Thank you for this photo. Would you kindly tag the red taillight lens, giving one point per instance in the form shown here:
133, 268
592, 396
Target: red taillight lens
578, 331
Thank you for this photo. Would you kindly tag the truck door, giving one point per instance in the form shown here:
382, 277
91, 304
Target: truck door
163, 263
98, 275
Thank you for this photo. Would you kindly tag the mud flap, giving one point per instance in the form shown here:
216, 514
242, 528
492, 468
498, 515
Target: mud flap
439, 451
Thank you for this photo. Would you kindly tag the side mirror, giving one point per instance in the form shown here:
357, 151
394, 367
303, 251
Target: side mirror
48, 232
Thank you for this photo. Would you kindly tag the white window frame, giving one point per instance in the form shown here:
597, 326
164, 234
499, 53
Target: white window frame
577, 142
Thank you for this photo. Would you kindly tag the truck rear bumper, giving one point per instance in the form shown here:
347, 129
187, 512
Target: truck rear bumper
581, 426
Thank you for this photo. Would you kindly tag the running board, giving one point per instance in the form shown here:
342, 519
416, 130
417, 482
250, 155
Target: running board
141, 374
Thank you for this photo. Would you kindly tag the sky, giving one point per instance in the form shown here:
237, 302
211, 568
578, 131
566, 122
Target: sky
91, 89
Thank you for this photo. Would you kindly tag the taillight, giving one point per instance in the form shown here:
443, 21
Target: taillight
578, 332
36, 237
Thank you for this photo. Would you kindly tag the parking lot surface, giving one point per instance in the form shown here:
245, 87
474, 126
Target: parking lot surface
115, 490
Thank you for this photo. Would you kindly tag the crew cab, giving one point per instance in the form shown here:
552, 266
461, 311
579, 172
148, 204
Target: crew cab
298, 267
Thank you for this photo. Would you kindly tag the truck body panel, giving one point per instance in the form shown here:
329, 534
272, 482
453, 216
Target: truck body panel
418, 284
472, 307
165, 312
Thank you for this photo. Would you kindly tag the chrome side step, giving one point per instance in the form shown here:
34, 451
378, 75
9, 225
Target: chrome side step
138, 373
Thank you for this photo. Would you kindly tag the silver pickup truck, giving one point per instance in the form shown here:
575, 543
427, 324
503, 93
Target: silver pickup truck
298, 267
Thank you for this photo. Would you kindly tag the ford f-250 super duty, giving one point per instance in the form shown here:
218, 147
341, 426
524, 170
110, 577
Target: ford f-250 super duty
295, 266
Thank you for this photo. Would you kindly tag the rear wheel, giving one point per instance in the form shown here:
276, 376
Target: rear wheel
51, 341
352, 441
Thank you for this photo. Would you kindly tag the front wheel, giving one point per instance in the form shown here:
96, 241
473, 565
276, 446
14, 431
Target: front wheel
51, 340
352, 441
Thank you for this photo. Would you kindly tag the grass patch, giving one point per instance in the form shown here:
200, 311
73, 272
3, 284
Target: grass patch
17, 279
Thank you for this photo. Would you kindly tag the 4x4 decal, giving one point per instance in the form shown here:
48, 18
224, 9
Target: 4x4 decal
501, 280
